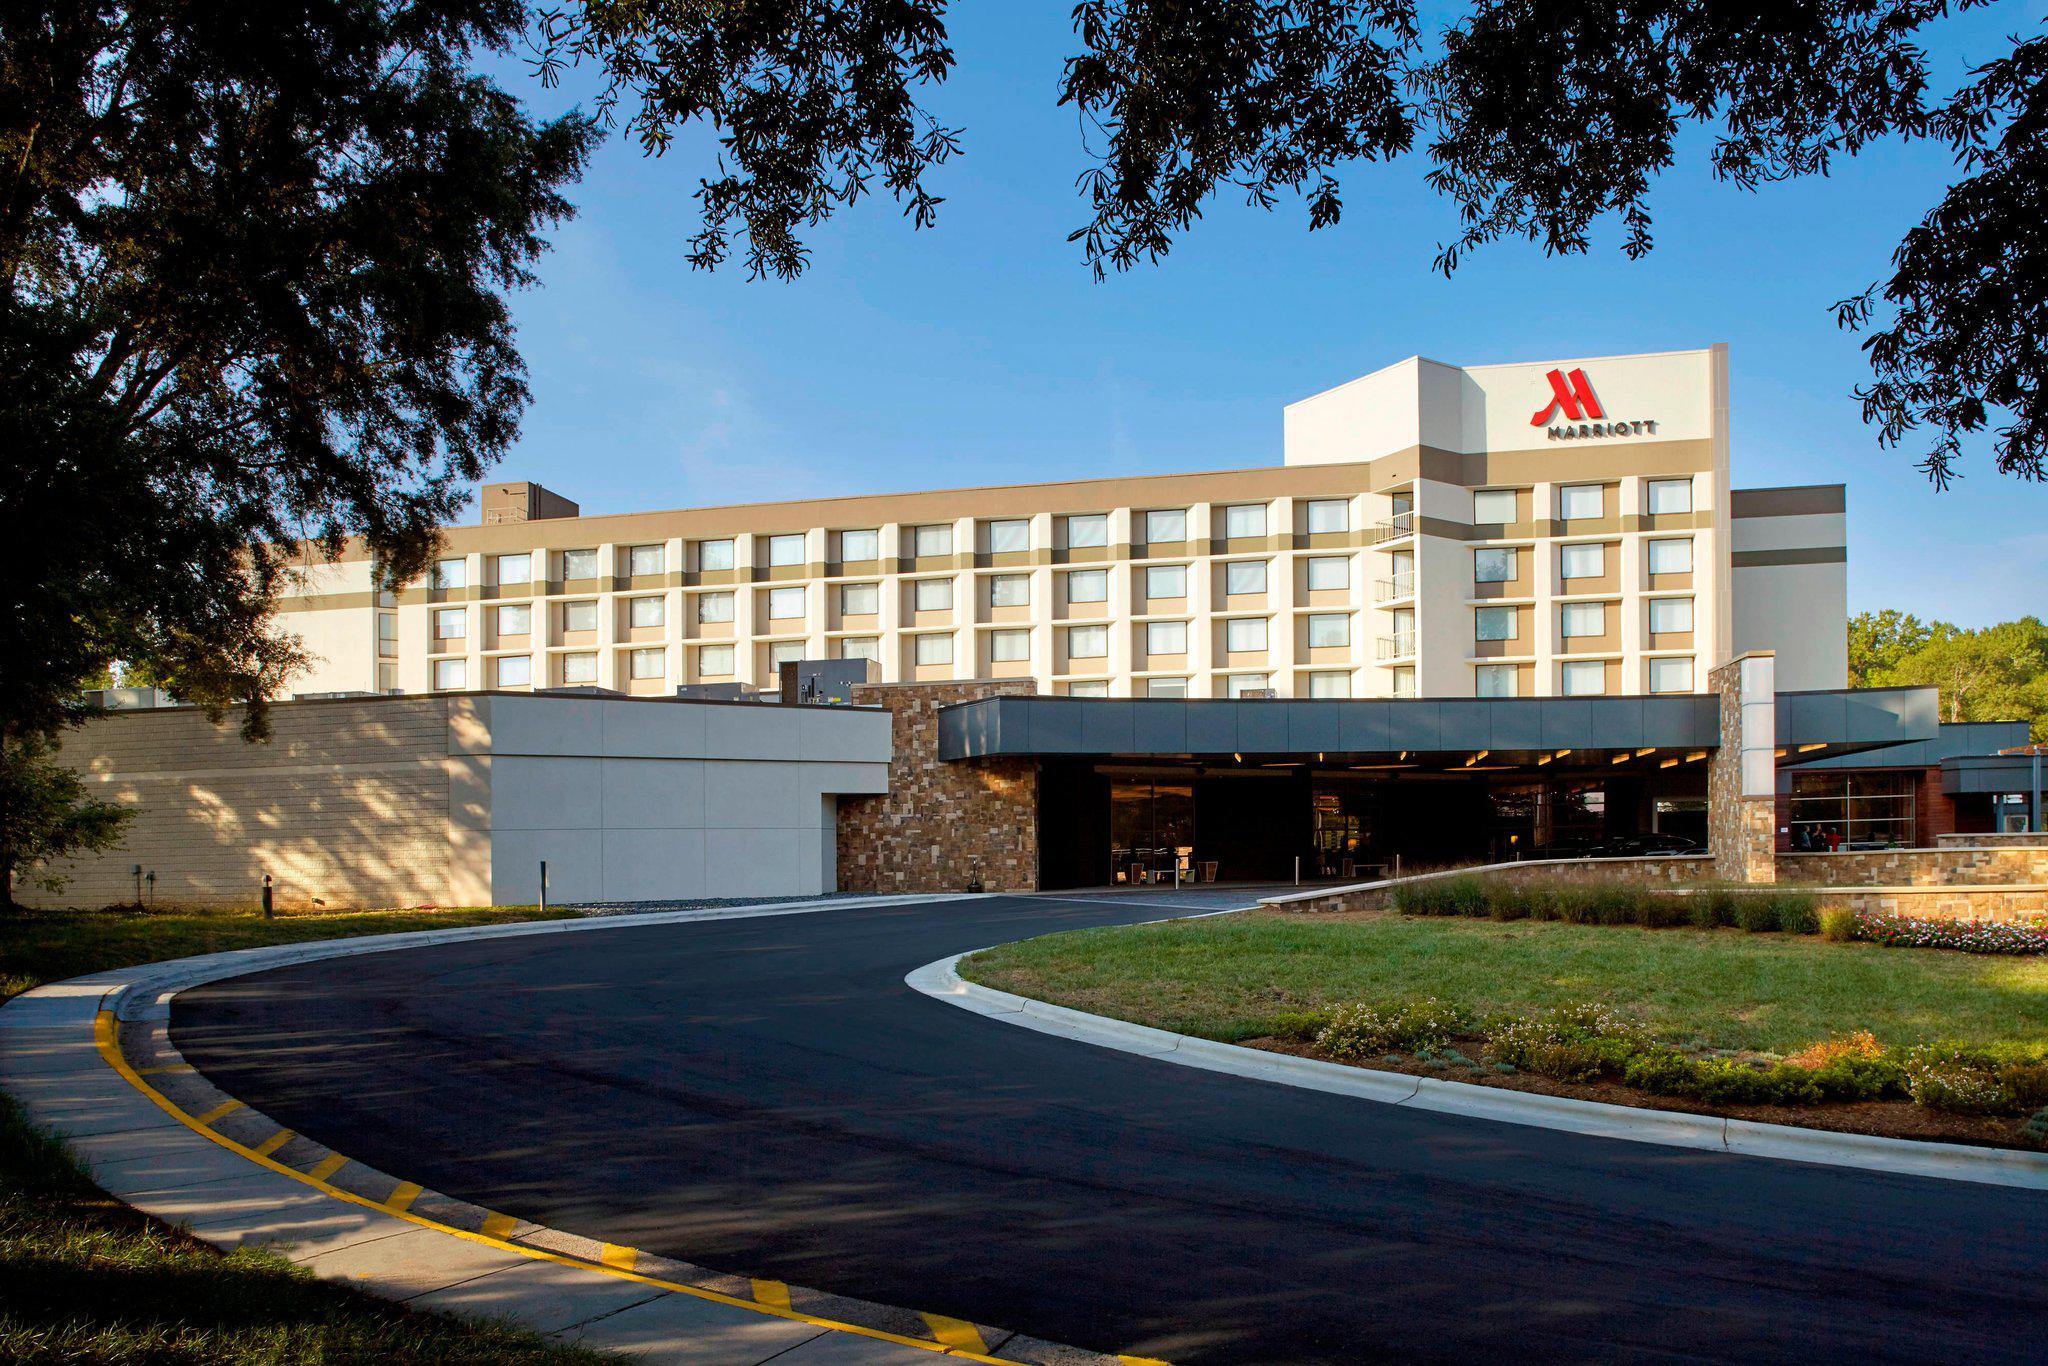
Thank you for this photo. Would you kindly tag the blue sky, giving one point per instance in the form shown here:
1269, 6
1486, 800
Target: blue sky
982, 351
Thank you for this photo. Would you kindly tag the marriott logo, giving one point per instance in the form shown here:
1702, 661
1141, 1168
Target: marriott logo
1572, 396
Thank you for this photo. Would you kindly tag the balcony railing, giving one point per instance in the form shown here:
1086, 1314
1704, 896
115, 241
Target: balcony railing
1398, 646
1399, 586
1400, 524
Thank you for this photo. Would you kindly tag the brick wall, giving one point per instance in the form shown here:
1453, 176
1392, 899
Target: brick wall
1954, 866
941, 825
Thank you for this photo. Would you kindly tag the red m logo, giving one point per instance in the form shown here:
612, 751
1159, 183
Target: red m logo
1576, 399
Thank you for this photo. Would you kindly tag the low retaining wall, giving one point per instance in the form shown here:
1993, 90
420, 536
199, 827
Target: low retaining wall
2023, 904
1674, 872
1950, 866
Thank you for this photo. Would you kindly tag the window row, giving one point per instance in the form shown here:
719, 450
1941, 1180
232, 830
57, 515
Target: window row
1582, 560
1582, 620
1580, 502
1583, 677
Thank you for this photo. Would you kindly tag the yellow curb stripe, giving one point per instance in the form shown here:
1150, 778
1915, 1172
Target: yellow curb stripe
498, 1225
273, 1143
167, 1067
219, 1112
401, 1198
106, 1038
1142, 1361
955, 1332
618, 1258
774, 1293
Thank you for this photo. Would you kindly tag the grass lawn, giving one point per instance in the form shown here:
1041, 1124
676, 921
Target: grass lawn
1227, 977
83, 1278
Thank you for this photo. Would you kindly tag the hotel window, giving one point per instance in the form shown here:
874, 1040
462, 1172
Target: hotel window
934, 649
644, 560
387, 633
579, 668
1495, 623
1087, 642
451, 623
1244, 635
579, 564
1243, 521
714, 661
1493, 566
1009, 647
1243, 577
1670, 495
860, 599
784, 652
1009, 590
713, 556
936, 539
1089, 529
1166, 526
1404, 681
1088, 585
1328, 515
1582, 502
450, 673
1237, 685
1009, 537
515, 671
1495, 507
1586, 561
1583, 620
1583, 678
861, 647
1166, 687
1329, 630
1670, 615
1329, 573
515, 619
579, 616
1496, 680
1166, 638
783, 551
1332, 683
451, 573
932, 595
714, 607
859, 545
1095, 688
785, 604
1166, 581
647, 663
645, 612
1671, 675
1671, 557
515, 568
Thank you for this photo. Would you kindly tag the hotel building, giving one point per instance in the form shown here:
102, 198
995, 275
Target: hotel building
1556, 528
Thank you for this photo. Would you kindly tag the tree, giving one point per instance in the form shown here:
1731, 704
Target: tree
1542, 120
1878, 641
256, 254
1995, 673
46, 816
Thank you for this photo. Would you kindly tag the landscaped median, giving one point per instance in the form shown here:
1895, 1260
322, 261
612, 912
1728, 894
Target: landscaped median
1569, 991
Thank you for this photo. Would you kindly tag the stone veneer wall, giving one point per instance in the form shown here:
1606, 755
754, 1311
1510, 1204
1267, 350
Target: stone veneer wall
1952, 866
1742, 812
1681, 871
941, 826
2025, 904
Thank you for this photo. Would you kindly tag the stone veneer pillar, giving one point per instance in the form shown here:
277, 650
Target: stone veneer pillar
941, 826
1742, 781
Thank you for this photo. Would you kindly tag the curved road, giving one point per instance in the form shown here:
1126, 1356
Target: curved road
767, 1097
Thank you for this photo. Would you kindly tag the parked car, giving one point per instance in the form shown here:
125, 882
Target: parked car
1645, 846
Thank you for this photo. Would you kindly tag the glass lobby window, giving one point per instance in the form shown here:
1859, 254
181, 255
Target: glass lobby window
932, 595
1166, 638
1583, 678
1009, 590
784, 551
784, 604
1582, 502
1243, 521
1166, 687
579, 616
1088, 529
1671, 557
934, 649
860, 599
515, 619
1495, 623
936, 539
1088, 688
1087, 642
451, 573
451, 673
713, 556
579, 668
1244, 576
1671, 675
515, 568
1496, 680
1493, 566
1329, 573
1495, 507
1166, 526
1009, 536
1166, 581
714, 661
1329, 630
1668, 615
861, 647
646, 612
1237, 685
1670, 495
1009, 647
515, 671
1329, 683
1582, 620
451, 623
579, 564
1244, 635
714, 607
785, 652
644, 560
1587, 561
1088, 585
1328, 515
647, 663
860, 545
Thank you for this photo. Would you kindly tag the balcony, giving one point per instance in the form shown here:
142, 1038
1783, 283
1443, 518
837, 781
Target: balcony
1401, 585
1399, 525
1400, 645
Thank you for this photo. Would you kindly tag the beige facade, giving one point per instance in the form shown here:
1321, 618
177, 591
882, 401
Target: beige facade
1435, 531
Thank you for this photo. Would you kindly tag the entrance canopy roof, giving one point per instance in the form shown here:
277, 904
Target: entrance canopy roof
1509, 730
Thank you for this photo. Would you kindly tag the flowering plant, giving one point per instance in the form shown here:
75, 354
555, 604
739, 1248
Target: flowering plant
1968, 936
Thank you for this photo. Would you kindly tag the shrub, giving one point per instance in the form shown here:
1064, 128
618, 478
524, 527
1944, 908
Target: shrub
1797, 911
1838, 923
1850, 1079
1362, 1030
1297, 1026
1757, 912
1722, 1081
1958, 1079
1661, 911
1721, 904
2025, 1082
2036, 1128
1510, 903
1861, 1044
1571, 1043
1662, 1072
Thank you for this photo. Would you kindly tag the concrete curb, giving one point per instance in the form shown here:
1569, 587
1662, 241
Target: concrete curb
91, 1060
941, 980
